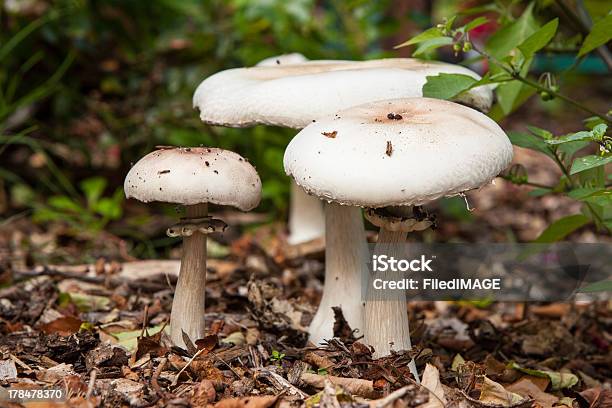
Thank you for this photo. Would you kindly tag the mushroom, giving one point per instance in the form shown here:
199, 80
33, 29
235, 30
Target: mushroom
297, 95
284, 59
193, 177
389, 156
293, 94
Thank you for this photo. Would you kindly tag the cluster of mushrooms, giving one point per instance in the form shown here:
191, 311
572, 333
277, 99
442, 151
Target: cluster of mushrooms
369, 140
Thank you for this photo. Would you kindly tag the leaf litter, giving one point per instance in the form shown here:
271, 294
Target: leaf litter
102, 336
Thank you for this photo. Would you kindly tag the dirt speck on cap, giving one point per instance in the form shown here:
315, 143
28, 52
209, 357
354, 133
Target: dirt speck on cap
331, 135
389, 150
163, 171
394, 116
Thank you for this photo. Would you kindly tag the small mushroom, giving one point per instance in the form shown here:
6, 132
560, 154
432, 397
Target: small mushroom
295, 92
440, 149
180, 175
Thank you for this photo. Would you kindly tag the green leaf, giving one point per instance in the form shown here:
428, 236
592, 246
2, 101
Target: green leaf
93, 188
543, 133
509, 37
64, 203
600, 34
539, 192
129, 339
432, 44
539, 39
477, 22
89, 303
558, 379
572, 137
596, 134
447, 86
584, 192
601, 286
426, 35
562, 228
529, 141
589, 162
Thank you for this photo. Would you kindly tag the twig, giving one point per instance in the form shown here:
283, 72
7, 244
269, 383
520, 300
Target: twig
517, 76
175, 381
356, 386
92, 382
282, 384
226, 364
395, 395
157, 373
99, 280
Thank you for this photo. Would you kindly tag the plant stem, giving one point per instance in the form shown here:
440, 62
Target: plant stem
517, 76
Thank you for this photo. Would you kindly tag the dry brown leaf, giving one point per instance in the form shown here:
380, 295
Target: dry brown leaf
264, 401
203, 394
597, 397
64, 326
208, 343
354, 386
526, 388
495, 393
431, 381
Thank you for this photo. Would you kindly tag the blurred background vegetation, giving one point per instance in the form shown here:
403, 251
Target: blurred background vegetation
88, 87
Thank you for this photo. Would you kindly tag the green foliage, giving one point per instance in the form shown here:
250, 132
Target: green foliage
96, 85
601, 33
509, 53
562, 227
89, 216
277, 356
447, 86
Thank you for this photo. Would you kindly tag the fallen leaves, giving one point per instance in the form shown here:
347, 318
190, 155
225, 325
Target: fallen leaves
247, 402
431, 382
64, 326
494, 393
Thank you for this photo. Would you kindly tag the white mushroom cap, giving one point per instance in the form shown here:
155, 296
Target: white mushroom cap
284, 59
296, 94
193, 176
361, 157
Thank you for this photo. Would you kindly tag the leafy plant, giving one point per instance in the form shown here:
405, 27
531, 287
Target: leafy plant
277, 356
91, 214
509, 53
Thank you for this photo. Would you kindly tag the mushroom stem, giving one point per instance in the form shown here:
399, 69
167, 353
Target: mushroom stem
306, 218
345, 266
188, 304
386, 325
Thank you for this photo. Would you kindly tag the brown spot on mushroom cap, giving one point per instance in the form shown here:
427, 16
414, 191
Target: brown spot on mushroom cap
331, 135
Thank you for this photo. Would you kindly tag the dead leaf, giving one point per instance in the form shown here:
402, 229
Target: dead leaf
8, 370
64, 326
208, 343
431, 382
494, 393
597, 397
56, 373
526, 388
247, 402
203, 394
150, 344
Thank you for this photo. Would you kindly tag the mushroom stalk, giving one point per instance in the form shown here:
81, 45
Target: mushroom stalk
386, 325
345, 266
306, 218
189, 296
